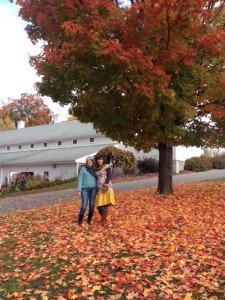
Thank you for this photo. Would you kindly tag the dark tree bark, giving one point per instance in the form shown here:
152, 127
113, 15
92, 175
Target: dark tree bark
165, 185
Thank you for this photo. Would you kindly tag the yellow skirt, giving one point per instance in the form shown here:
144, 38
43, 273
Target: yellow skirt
105, 198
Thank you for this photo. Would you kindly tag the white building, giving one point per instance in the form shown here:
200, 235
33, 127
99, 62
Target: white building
48, 150
55, 150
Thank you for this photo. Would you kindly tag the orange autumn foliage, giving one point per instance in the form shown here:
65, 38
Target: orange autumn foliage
154, 247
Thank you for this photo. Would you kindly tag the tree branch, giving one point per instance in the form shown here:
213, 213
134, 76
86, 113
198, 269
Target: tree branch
179, 13
210, 5
219, 10
168, 26
116, 2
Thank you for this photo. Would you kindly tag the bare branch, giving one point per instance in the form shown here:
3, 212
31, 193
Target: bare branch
168, 25
219, 10
116, 2
210, 5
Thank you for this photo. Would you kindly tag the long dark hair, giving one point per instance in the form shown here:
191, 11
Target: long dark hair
99, 157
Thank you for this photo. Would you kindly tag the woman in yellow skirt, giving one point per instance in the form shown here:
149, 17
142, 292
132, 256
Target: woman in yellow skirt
105, 194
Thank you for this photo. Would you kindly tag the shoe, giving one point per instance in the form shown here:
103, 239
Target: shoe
104, 218
80, 219
89, 219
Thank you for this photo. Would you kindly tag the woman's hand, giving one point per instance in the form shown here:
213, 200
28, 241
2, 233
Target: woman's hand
79, 194
105, 187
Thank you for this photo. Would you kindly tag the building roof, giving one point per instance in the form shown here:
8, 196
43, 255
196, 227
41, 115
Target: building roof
55, 155
47, 133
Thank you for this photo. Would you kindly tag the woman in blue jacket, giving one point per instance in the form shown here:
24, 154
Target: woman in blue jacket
87, 188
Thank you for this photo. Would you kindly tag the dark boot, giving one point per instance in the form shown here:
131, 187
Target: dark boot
80, 219
100, 211
104, 217
89, 218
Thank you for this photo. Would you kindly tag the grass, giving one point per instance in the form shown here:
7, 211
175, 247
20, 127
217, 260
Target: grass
154, 247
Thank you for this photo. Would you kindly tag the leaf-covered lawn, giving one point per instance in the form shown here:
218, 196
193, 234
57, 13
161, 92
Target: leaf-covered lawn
155, 247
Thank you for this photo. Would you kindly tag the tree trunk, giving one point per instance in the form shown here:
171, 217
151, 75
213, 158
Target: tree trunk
165, 185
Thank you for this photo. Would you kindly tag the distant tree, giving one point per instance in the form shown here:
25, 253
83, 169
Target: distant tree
71, 118
117, 157
29, 108
6, 123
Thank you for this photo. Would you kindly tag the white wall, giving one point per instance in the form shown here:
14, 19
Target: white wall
62, 171
183, 153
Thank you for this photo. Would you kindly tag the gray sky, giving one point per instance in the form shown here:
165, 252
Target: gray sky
16, 74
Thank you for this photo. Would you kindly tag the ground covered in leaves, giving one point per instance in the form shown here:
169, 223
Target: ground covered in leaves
155, 247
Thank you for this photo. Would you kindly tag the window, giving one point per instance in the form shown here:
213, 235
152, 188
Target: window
92, 140
46, 174
45, 144
19, 147
74, 141
32, 145
8, 148
59, 143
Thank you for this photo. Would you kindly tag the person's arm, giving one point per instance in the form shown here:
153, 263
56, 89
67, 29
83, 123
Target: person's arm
108, 175
80, 180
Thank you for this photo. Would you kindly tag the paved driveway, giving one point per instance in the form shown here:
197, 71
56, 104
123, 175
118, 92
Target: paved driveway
37, 200
192, 177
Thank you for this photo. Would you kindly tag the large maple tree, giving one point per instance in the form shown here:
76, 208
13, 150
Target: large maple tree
147, 73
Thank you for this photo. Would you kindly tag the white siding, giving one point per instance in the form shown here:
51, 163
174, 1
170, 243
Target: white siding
183, 153
62, 171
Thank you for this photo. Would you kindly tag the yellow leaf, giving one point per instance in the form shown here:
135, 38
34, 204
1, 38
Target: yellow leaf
182, 262
15, 294
173, 264
45, 298
146, 292
97, 287
73, 297
188, 296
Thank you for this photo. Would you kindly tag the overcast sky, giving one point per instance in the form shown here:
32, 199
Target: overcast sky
16, 75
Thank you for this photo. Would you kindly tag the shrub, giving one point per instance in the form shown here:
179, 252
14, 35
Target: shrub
32, 184
128, 171
16, 184
198, 164
12, 185
148, 165
35, 182
222, 154
72, 179
218, 162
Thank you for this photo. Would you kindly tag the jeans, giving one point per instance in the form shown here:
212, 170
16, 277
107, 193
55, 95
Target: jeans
88, 197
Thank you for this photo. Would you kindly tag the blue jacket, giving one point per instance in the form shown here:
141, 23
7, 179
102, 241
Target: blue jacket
85, 180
